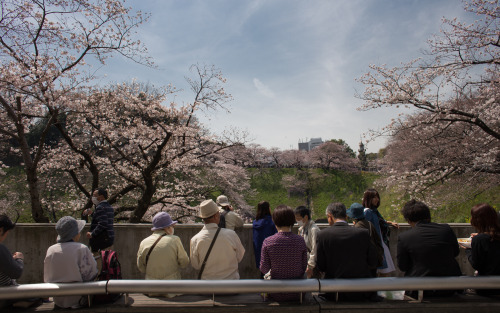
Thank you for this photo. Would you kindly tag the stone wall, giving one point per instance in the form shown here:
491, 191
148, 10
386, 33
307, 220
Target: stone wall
34, 239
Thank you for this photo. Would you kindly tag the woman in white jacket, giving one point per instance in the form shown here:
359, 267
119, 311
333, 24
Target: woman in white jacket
69, 261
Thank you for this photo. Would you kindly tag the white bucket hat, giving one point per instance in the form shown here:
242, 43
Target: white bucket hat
222, 200
208, 208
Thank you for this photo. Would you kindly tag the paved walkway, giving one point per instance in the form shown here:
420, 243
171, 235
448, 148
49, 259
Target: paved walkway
253, 303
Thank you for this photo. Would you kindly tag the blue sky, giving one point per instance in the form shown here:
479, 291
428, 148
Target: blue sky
290, 65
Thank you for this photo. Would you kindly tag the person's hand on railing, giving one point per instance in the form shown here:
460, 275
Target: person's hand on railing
18, 255
393, 224
309, 272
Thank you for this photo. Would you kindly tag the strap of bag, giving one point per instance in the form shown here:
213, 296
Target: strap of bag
152, 247
208, 253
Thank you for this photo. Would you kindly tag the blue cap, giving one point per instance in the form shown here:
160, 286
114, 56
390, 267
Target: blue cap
356, 211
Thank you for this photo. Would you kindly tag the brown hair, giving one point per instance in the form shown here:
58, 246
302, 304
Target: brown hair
283, 216
368, 196
262, 210
485, 219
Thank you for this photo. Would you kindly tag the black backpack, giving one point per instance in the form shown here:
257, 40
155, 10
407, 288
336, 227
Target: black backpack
222, 221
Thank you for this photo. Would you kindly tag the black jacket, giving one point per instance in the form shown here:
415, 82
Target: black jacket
428, 249
345, 252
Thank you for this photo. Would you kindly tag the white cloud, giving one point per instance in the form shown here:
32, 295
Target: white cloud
263, 89
291, 65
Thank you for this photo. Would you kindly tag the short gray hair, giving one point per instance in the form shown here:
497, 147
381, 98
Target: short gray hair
337, 210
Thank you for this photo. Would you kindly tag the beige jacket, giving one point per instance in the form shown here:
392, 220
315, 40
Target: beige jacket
166, 259
226, 253
233, 220
310, 232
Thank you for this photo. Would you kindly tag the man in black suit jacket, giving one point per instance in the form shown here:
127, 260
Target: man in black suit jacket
427, 249
345, 252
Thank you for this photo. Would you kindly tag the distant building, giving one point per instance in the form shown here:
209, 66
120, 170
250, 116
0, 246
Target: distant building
304, 146
311, 144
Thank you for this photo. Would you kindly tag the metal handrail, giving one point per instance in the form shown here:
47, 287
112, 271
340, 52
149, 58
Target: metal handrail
410, 283
247, 286
213, 286
52, 289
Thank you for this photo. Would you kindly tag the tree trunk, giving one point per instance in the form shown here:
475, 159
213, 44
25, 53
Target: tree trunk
30, 167
144, 202
30, 162
36, 205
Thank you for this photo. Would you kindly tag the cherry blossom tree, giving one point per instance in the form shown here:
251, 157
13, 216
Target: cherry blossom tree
237, 155
275, 155
45, 51
454, 90
332, 155
259, 156
295, 158
447, 167
150, 153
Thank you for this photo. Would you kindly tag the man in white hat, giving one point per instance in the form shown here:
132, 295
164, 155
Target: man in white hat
227, 250
231, 219
161, 255
69, 261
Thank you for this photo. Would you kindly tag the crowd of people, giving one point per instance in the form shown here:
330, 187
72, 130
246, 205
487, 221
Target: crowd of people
338, 251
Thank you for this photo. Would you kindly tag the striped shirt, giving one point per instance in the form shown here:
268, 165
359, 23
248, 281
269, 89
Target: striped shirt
10, 268
102, 220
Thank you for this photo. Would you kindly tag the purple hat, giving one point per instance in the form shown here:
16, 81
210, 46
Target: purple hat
162, 220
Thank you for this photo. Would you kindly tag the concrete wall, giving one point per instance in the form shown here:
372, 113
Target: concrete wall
34, 239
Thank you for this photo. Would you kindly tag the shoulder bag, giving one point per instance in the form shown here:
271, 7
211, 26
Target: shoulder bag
152, 247
208, 253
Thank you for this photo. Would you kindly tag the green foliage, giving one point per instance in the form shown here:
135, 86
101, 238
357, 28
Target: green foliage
337, 186
13, 195
326, 187
455, 211
459, 212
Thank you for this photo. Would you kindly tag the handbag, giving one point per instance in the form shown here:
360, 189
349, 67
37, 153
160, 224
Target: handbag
208, 253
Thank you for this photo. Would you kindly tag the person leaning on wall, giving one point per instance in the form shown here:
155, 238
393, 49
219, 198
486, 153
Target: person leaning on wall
371, 202
228, 219
101, 234
262, 227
